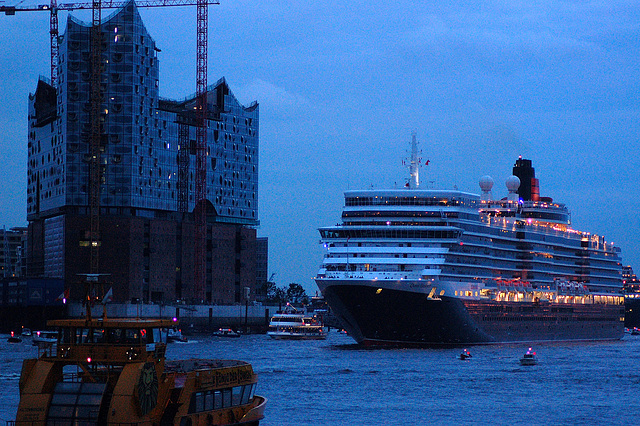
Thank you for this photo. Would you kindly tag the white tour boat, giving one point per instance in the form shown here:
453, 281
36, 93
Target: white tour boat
295, 326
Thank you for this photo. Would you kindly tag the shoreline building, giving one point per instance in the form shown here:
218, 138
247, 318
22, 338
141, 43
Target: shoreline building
147, 170
12, 249
262, 268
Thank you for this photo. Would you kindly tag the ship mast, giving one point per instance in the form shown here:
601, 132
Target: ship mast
414, 164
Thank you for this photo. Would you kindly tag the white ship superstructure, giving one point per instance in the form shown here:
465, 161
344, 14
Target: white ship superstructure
505, 269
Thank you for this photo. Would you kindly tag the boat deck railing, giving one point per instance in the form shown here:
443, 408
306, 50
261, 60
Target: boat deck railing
102, 352
46, 349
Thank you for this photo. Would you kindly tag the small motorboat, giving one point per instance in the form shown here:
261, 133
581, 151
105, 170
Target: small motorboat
44, 338
175, 335
529, 358
26, 332
14, 339
465, 355
635, 331
225, 332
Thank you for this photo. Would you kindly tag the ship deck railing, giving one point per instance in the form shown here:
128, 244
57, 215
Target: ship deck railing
571, 234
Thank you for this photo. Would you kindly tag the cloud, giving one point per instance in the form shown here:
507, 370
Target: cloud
270, 96
500, 33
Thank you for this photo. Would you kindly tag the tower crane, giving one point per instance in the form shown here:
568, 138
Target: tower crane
53, 9
201, 111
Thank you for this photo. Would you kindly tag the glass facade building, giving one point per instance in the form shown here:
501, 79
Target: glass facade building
12, 249
147, 164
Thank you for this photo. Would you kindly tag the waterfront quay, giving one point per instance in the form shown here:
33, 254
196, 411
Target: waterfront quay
196, 318
190, 318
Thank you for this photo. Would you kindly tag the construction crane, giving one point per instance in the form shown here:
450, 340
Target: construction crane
201, 111
53, 9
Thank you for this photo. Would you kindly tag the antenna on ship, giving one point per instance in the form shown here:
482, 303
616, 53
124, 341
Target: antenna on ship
414, 164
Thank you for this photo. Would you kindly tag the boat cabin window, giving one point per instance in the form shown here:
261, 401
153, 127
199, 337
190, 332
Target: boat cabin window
158, 336
130, 336
246, 393
65, 335
224, 398
253, 390
89, 335
208, 401
287, 319
199, 401
80, 336
236, 395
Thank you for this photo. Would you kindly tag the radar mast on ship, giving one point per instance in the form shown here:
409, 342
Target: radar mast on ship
414, 164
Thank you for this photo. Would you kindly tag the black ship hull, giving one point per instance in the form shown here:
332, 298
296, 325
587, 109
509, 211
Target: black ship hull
632, 312
404, 318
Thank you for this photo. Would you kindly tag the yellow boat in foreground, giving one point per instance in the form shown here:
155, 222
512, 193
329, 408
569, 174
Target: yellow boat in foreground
113, 372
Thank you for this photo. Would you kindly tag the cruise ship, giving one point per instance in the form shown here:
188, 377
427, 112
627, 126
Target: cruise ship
428, 267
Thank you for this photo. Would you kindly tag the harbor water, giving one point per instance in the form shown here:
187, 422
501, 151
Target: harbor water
337, 382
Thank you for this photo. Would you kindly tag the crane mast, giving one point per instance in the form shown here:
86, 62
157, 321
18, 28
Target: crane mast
96, 100
53, 36
94, 146
201, 149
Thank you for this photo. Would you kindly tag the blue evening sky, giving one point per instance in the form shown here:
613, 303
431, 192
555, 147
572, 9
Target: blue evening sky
341, 85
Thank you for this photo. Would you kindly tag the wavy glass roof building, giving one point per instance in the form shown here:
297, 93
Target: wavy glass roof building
147, 173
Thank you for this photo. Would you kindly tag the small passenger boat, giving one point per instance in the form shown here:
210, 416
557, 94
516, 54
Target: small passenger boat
174, 334
225, 332
529, 358
14, 339
465, 355
108, 371
44, 337
295, 326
